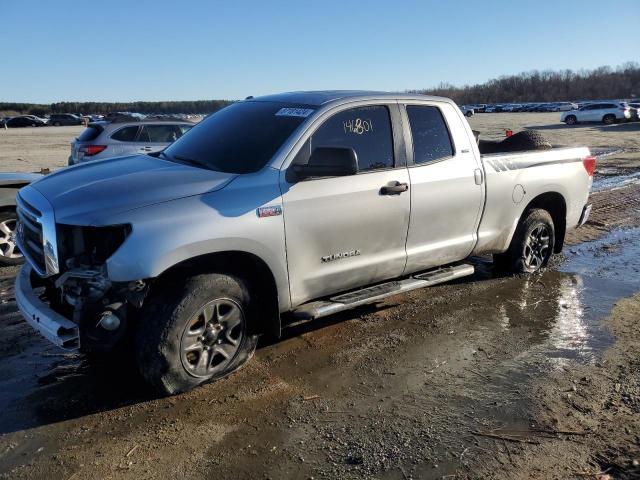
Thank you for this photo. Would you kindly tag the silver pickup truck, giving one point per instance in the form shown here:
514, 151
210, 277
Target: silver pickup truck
296, 205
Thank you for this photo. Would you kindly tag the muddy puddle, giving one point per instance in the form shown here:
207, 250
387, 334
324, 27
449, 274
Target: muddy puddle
403, 389
613, 181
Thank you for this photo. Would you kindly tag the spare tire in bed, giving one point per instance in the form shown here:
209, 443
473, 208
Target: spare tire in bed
526, 140
518, 142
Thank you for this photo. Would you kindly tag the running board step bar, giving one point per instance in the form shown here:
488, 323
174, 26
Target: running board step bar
346, 301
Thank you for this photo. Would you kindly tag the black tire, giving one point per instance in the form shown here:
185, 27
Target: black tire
33, 124
469, 114
609, 119
56, 124
518, 258
173, 318
9, 253
571, 120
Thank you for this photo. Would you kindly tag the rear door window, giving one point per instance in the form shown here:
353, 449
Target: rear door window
431, 138
127, 134
365, 129
159, 134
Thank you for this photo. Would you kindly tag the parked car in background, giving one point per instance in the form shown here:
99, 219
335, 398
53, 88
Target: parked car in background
493, 108
478, 107
635, 111
566, 106
605, 112
10, 183
26, 121
104, 139
467, 111
58, 119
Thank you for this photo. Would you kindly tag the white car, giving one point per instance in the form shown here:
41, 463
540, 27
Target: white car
605, 112
467, 111
566, 106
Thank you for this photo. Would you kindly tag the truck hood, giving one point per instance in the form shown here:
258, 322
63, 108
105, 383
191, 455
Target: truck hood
88, 193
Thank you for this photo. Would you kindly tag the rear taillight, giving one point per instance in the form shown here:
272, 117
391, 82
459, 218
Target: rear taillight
90, 150
589, 165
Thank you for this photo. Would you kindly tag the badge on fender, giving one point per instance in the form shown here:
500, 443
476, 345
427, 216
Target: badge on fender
270, 211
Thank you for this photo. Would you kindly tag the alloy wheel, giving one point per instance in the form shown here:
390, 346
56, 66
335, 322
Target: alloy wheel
8, 247
536, 248
212, 338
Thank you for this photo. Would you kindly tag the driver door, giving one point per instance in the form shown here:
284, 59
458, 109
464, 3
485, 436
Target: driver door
344, 232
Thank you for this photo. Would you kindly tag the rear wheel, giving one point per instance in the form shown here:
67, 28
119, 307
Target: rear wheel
609, 119
531, 246
9, 252
571, 120
195, 334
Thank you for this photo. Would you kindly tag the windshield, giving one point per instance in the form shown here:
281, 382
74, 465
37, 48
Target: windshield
240, 138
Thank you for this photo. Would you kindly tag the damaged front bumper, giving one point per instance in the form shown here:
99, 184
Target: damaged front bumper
54, 327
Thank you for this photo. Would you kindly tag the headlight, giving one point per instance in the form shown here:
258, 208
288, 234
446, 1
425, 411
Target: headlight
90, 245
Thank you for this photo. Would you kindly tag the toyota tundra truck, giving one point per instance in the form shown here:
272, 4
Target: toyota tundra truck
289, 206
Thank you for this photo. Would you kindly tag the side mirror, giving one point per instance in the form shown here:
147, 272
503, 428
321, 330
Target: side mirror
328, 162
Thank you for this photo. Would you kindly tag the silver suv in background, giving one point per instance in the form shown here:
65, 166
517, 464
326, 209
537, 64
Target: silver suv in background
605, 112
102, 140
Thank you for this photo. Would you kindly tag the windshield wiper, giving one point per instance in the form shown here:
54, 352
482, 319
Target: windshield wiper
191, 161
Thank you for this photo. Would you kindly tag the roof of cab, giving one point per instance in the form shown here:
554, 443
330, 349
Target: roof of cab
322, 97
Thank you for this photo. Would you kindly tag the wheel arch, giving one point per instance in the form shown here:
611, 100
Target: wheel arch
556, 205
244, 265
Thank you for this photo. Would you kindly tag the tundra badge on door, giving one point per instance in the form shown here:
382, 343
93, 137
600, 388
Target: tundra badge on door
338, 256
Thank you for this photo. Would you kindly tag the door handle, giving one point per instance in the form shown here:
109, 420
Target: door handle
477, 176
394, 188
146, 149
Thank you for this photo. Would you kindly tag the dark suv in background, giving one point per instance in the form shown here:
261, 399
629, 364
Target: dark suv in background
59, 119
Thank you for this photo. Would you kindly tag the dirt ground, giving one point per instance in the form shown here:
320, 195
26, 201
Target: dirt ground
489, 377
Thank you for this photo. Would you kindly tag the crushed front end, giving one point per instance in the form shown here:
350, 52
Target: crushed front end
63, 290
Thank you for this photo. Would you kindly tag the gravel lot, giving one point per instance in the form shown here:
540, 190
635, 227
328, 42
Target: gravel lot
489, 377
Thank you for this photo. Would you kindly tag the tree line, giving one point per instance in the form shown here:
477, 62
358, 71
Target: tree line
622, 82
189, 106
601, 83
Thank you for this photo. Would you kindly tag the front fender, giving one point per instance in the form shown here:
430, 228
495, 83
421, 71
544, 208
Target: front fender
164, 235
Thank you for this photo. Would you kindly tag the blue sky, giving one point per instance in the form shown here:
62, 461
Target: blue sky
171, 50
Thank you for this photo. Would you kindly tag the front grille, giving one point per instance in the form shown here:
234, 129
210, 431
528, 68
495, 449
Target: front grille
30, 234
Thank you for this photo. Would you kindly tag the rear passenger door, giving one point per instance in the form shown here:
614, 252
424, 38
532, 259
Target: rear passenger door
346, 232
447, 187
124, 141
591, 113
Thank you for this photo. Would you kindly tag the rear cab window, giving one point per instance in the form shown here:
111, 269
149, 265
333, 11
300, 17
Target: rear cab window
431, 137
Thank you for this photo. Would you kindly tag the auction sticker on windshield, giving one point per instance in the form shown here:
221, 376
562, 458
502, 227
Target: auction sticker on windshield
294, 112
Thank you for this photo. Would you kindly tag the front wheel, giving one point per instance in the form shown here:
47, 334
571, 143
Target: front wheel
197, 333
9, 252
532, 244
571, 120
